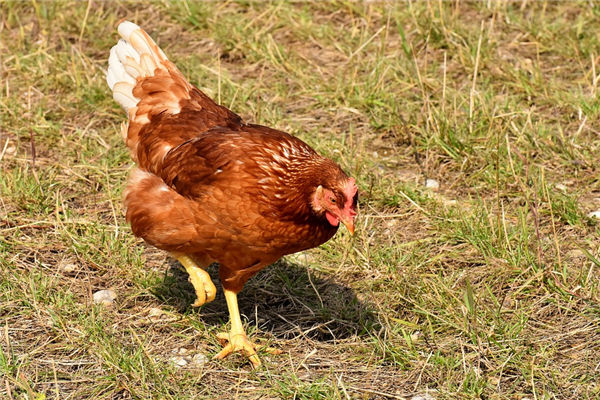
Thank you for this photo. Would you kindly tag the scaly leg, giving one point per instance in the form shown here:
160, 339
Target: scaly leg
238, 341
205, 288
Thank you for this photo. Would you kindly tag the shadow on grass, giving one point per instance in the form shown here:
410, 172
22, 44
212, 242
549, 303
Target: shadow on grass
281, 300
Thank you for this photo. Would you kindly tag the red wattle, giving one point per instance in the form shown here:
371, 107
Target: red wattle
333, 220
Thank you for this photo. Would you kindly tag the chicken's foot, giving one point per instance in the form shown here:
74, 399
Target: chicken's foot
203, 285
236, 339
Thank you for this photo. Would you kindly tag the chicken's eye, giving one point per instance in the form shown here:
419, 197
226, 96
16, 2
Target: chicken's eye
332, 200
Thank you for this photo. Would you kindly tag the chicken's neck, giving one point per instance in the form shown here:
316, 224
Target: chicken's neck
301, 179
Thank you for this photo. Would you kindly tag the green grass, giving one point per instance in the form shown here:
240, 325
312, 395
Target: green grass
486, 288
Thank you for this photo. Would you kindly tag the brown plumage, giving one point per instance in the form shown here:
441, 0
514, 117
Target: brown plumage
209, 187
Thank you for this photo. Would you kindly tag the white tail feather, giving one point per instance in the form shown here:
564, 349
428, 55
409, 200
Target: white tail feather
138, 67
135, 56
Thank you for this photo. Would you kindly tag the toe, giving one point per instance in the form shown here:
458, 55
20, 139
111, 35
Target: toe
272, 350
197, 303
200, 295
227, 350
254, 360
200, 299
211, 291
237, 343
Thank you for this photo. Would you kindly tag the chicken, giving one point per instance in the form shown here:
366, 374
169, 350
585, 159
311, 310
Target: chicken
209, 187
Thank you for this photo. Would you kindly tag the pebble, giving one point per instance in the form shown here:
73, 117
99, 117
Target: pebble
594, 214
576, 253
416, 336
424, 396
199, 359
179, 361
562, 187
182, 358
155, 312
67, 267
432, 184
105, 297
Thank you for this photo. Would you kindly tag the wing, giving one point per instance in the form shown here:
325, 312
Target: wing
218, 158
255, 159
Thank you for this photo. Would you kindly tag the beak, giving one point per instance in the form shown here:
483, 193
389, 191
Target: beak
349, 223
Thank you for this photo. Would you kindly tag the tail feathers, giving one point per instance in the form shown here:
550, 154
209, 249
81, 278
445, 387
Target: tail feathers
148, 85
134, 56
144, 82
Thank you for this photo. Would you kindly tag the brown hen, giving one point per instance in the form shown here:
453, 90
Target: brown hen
210, 188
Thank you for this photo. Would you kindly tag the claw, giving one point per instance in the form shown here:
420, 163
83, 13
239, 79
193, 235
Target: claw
205, 288
203, 285
236, 339
239, 342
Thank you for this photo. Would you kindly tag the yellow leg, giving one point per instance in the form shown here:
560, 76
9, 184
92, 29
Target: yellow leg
205, 288
238, 341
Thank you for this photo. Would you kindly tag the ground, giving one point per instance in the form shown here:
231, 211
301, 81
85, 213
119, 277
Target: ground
472, 130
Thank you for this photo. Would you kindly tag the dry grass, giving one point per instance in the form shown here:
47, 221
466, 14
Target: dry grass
485, 288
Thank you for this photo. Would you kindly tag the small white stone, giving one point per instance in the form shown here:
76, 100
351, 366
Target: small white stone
560, 186
423, 396
179, 361
594, 214
155, 313
199, 359
576, 253
432, 184
105, 297
416, 336
67, 267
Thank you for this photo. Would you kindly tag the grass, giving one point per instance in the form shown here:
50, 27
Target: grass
487, 287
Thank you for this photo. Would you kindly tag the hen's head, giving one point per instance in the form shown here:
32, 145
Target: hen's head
336, 200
